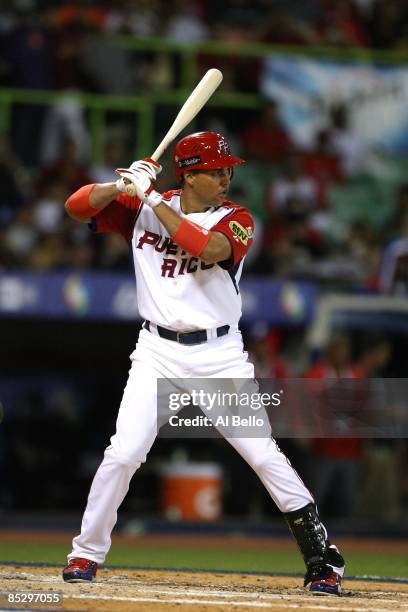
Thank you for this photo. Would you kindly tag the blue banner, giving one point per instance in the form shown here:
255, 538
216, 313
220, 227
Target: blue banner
97, 295
376, 96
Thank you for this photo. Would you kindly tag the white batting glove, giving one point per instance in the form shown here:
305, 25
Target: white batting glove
148, 165
152, 198
128, 178
137, 181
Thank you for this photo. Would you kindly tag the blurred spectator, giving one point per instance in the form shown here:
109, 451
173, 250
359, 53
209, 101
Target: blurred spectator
162, 72
336, 362
346, 143
49, 211
11, 195
324, 166
380, 469
365, 7
89, 13
115, 254
282, 27
66, 169
75, 23
21, 237
356, 156
186, 23
8, 20
50, 254
382, 472
5, 256
394, 264
137, 17
27, 62
107, 67
83, 256
375, 356
337, 461
292, 201
307, 11
35, 452
5, 452
363, 249
116, 156
265, 138
293, 193
236, 12
291, 249
264, 346
28, 50
388, 25
398, 219
64, 121
341, 24
82, 248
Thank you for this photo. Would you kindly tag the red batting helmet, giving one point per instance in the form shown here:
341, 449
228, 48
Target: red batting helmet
203, 151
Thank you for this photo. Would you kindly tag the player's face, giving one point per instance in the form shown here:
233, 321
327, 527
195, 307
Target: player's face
211, 186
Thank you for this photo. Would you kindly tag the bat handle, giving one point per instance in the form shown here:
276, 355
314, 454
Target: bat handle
159, 152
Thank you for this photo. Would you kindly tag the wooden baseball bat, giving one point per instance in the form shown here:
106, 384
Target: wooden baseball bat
194, 103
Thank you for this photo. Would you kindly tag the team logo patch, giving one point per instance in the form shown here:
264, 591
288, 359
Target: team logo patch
242, 233
189, 161
223, 147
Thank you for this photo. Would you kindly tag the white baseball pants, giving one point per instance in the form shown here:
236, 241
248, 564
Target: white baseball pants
136, 430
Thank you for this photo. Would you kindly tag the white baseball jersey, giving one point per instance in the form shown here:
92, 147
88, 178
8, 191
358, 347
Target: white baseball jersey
181, 292
175, 289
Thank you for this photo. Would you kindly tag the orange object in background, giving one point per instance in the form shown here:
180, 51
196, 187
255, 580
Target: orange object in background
192, 491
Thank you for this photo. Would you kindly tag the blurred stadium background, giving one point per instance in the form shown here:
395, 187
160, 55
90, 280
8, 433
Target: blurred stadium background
314, 97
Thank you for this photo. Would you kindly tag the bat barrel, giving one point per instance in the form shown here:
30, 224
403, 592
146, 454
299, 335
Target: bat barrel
192, 106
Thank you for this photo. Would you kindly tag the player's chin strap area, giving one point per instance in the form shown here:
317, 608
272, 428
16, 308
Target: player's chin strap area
311, 537
195, 337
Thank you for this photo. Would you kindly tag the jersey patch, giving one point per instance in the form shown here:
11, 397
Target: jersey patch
242, 233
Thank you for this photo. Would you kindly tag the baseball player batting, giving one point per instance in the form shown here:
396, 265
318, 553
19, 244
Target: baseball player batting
189, 246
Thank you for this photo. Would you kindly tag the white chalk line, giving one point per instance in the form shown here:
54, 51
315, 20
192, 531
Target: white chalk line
176, 600
268, 598
249, 603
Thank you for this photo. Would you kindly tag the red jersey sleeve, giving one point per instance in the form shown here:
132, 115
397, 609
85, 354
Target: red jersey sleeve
238, 227
119, 217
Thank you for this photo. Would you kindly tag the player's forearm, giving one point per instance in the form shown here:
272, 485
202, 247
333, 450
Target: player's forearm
217, 248
168, 217
103, 194
89, 200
